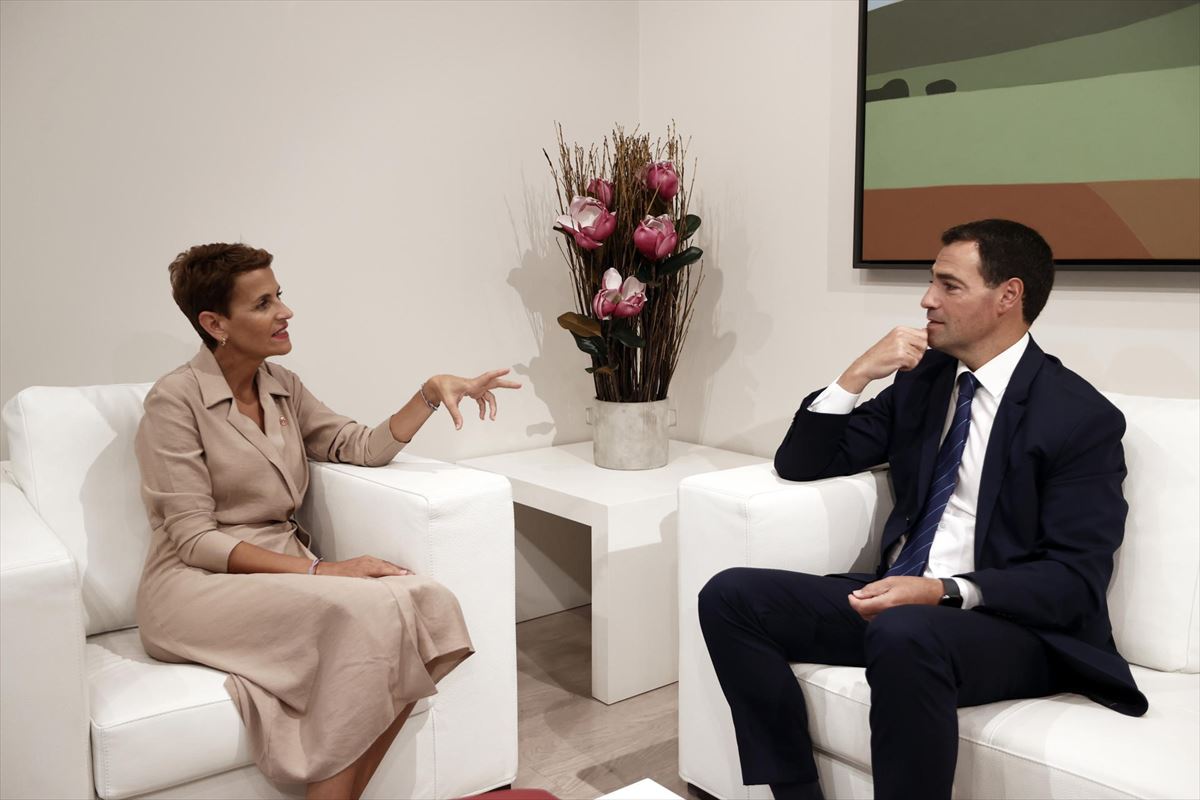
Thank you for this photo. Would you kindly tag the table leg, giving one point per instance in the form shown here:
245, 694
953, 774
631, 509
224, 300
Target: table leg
634, 606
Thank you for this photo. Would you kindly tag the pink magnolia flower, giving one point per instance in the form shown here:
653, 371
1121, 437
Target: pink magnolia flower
617, 299
660, 176
588, 221
602, 190
633, 297
655, 237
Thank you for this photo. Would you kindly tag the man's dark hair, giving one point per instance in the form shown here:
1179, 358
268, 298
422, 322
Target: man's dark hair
202, 279
1009, 249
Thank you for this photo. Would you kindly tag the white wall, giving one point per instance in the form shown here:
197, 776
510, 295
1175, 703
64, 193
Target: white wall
388, 154
767, 89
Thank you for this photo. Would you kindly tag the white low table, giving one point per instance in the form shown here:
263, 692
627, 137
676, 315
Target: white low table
632, 515
642, 790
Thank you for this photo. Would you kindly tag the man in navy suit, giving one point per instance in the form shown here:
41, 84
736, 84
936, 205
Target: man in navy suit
1007, 471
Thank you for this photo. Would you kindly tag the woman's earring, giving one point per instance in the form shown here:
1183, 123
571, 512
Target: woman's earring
224, 341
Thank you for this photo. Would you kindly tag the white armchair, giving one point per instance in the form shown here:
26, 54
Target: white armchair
1057, 747
84, 712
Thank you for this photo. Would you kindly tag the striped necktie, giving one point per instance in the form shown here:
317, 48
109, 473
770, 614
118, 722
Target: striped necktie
915, 553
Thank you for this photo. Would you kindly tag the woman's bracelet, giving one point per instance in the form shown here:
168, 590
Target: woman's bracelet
432, 407
312, 568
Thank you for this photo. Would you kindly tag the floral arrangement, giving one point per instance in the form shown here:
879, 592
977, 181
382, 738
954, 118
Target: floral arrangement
625, 222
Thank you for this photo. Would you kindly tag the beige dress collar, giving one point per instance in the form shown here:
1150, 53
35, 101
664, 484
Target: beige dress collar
215, 389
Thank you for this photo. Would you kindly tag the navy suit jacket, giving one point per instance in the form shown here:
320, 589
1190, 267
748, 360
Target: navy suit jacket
1050, 515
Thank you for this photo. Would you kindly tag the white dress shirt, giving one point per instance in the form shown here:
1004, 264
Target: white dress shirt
953, 549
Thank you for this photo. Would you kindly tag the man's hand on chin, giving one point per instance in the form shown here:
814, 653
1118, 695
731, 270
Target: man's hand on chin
900, 590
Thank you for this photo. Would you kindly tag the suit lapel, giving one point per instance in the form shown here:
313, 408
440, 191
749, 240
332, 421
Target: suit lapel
215, 390
1005, 427
268, 387
259, 440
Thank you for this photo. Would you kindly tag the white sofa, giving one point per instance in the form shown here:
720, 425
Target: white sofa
1059, 747
85, 712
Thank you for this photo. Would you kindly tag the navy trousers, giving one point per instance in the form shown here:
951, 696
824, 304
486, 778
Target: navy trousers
923, 662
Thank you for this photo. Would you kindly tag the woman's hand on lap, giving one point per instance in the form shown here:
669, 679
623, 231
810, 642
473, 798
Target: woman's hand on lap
361, 567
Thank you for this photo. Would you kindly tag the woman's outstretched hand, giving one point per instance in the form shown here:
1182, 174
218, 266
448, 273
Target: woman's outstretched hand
451, 389
361, 567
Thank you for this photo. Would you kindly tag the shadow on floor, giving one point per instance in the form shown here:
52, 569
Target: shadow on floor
557, 650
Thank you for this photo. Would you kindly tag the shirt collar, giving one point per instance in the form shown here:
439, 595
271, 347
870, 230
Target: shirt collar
995, 374
213, 386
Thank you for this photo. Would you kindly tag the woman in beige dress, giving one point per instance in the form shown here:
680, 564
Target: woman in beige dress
325, 659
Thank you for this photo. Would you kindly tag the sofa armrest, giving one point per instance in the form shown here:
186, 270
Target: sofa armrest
44, 747
455, 525
750, 517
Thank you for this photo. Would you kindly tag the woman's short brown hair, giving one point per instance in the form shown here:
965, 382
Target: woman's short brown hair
202, 279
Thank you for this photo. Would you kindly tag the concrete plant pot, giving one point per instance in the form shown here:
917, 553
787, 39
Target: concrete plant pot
630, 435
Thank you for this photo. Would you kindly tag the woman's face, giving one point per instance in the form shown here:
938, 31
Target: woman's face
258, 319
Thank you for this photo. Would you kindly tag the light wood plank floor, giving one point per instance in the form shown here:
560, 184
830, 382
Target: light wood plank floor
571, 744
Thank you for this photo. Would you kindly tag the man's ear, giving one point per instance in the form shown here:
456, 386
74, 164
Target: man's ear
1011, 293
213, 324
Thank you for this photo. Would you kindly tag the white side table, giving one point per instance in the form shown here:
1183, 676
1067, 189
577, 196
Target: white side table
644, 789
632, 515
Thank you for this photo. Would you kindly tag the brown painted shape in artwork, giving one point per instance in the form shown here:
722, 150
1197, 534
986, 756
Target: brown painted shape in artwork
1165, 215
906, 224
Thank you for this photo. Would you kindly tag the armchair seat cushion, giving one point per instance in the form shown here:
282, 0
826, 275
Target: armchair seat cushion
1060, 746
156, 725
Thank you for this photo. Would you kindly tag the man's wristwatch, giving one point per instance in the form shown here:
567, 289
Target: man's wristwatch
951, 596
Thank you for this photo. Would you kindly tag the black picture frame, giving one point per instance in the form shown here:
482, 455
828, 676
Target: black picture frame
1114, 264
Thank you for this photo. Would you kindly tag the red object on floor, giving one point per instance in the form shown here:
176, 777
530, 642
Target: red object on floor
515, 794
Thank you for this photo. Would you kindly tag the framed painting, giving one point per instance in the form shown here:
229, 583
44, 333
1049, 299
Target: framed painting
1080, 118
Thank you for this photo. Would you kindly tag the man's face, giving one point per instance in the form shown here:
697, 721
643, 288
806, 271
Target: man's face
960, 308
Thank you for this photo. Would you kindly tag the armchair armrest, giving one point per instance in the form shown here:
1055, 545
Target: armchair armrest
44, 747
750, 517
455, 525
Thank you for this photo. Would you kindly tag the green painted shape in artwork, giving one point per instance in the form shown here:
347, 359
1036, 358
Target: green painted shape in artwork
1164, 42
911, 34
1139, 126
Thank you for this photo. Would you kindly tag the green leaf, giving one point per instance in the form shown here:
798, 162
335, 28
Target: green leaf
579, 324
691, 224
645, 272
678, 261
594, 346
627, 337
